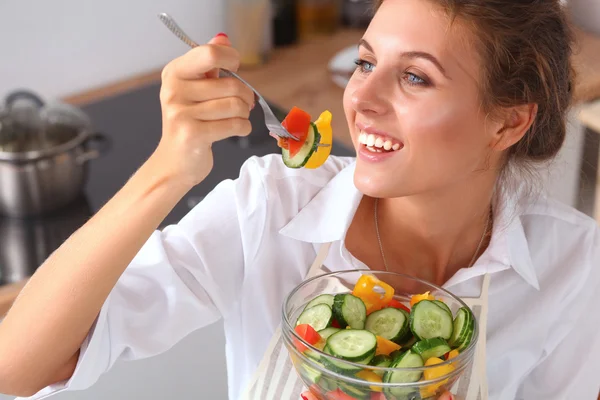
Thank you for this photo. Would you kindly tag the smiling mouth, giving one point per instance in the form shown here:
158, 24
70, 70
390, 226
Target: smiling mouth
379, 144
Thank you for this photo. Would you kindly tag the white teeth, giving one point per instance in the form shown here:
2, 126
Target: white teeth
362, 138
371, 140
376, 144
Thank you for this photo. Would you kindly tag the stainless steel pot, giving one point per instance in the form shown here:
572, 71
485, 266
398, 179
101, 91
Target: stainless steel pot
43, 156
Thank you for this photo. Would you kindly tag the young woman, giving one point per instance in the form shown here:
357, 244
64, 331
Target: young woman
474, 93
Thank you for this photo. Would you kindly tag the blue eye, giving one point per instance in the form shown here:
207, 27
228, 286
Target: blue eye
364, 66
415, 79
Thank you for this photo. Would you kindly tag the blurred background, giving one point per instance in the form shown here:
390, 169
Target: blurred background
79, 112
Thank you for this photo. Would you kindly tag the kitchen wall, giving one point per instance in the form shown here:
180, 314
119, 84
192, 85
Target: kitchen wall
192, 369
61, 47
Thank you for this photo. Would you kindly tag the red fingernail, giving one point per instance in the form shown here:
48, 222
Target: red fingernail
222, 34
304, 397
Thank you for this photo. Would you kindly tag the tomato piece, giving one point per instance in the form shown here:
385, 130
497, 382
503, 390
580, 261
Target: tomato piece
297, 122
338, 394
308, 333
309, 394
335, 324
396, 304
281, 142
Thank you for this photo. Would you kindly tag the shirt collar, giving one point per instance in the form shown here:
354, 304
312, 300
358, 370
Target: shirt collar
327, 217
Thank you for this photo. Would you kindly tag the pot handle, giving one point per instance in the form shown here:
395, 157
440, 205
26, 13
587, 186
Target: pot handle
103, 145
23, 95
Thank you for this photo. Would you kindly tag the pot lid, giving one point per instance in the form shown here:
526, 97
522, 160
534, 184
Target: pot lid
28, 124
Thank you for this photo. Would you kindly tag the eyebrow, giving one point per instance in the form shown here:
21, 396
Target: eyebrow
411, 54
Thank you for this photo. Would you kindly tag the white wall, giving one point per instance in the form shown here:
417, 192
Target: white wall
193, 369
561, 181
62, 47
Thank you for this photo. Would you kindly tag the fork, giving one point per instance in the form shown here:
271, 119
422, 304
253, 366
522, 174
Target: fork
271, 121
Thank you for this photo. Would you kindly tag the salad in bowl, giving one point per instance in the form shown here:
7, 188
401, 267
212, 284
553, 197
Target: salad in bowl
371, 335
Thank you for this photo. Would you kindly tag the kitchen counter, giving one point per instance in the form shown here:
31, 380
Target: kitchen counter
312, 89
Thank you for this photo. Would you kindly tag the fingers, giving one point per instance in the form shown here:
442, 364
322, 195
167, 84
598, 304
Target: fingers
187, 92
221, 40
308, 396
447, 396
202, 59
225, 128
214, 110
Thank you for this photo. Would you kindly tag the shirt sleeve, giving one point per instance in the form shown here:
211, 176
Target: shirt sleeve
184, 278
571, 369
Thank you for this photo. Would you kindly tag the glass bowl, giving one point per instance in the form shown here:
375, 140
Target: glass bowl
329, 384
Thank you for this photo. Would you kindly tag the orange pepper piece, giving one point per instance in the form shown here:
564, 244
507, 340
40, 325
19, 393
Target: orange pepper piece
370, 376
452, 354
385, 347
418, 297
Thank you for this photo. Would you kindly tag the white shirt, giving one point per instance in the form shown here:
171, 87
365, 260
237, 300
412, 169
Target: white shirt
239, 252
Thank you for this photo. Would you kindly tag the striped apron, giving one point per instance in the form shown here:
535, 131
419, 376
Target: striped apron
276, 378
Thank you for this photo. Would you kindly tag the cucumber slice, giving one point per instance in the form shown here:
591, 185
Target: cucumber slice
466, 341
408, 342
322, 299
429, 348
311, 374
325, 333
339, 366
355, 391
443, 305
308, 148
389, 323
353, 345
328, 384
463, 329
428, 320
319, 317
381, 361
350, 311
408, 359
313, 355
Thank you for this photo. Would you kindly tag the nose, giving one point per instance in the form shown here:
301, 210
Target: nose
371, 95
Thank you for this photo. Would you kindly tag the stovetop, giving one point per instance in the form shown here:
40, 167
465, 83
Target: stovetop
133, 123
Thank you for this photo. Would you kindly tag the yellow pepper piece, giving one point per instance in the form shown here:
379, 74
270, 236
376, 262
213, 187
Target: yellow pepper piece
318, 158
385, 347
434, 373
418, 297
365, 290
370, 376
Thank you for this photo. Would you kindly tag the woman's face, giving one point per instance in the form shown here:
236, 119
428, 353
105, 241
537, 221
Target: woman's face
417, 89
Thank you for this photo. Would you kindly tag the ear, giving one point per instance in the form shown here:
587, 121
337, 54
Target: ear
517, 121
